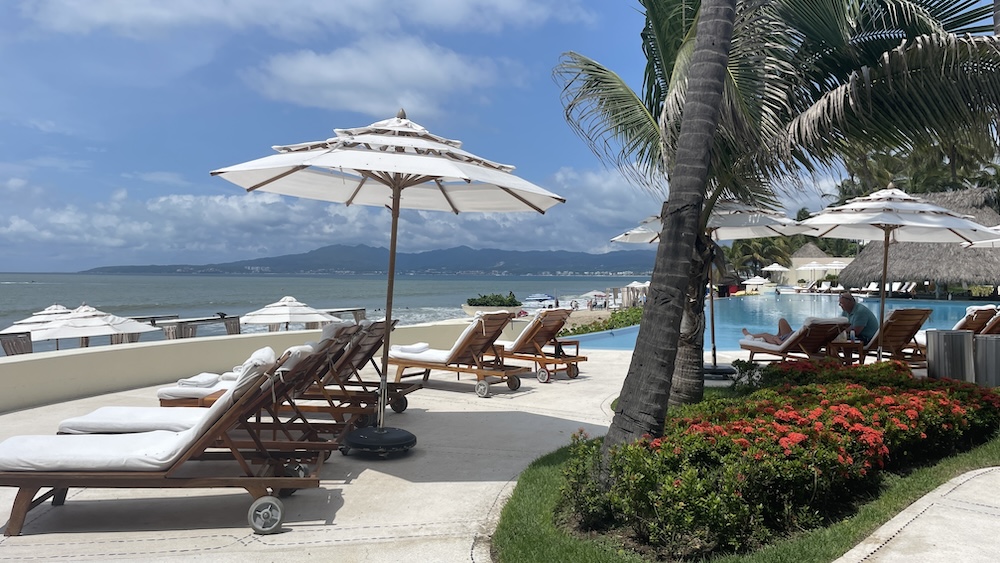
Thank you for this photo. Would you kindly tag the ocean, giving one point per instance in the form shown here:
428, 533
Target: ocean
417, 298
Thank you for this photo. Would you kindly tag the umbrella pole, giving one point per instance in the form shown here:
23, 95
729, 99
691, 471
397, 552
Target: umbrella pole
383, 384
881, 307
711, 311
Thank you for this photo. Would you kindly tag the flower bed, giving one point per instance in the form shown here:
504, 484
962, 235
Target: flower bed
731, 475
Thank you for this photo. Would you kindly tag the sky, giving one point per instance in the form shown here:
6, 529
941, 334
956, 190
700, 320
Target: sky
113, 112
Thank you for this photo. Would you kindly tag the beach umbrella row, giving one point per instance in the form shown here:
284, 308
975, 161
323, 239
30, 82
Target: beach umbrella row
56, 322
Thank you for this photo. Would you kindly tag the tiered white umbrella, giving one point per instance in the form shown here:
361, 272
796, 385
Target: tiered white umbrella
85, 322
394, 163
48, 314
775, 267
285, 311
892, 215
756, 280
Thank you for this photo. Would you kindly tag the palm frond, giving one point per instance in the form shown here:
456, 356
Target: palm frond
917, 92
601, 108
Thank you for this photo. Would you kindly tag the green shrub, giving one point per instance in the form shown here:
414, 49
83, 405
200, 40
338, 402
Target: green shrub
731, 474
493, 300
618, 319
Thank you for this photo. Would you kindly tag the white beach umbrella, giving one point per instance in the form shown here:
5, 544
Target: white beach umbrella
48, 314
756, 280
775, 267
730, 220
85, 322
394, 163
892, 215
285, 311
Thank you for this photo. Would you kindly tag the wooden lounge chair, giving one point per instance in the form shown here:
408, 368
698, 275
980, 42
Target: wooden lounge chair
976, 318
992, 326
16, 343
537, 343
341, 392
466, 356
809, 341
161, 459
898, 334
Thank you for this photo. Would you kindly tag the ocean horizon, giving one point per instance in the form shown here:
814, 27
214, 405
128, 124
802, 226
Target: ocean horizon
417, 298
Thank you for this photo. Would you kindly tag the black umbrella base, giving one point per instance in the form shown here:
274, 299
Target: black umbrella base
719, 372
380, 441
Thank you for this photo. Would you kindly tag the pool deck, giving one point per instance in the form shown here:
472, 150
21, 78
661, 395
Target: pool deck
439, 502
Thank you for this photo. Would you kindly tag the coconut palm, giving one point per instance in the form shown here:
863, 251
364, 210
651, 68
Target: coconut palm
821, 76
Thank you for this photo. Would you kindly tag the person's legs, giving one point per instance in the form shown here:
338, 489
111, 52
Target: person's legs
784, 331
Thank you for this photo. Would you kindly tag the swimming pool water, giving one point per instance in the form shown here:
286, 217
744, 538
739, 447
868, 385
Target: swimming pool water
760, 313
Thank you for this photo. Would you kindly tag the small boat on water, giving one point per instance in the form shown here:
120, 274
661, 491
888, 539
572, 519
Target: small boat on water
538, 301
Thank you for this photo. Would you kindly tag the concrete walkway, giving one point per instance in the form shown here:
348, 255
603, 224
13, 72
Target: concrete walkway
439, 502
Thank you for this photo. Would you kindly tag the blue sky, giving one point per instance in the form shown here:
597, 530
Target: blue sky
113, 112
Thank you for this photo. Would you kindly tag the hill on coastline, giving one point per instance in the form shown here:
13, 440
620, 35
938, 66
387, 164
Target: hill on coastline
361, 259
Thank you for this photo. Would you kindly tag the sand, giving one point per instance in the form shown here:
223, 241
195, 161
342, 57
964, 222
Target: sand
584, 316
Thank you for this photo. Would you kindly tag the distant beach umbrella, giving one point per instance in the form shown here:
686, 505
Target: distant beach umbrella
756, 280
285, 311
85, 322
398, 164
892, 215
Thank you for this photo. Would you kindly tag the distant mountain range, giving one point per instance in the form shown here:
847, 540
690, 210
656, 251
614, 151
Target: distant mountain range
361, 259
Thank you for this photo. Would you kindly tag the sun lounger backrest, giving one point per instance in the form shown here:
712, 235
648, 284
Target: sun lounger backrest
551, 322
478, 337
992, 325
976, 317
819, 332
898, 330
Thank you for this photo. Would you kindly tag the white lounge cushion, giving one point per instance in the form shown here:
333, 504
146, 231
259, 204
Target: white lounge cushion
330, 330
142, 451
415, 348
178, 392
436, 355
114, 420
296, 354
203, 379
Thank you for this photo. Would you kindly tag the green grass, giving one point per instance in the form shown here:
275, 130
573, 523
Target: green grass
526, 531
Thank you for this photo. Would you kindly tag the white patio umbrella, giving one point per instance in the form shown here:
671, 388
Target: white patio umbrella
775, 267
892, 215
48, 314
730, 220
756, 280
394, 163
285, 311
85, 322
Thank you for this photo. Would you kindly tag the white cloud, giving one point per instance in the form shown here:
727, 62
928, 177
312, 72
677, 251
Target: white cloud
166, 178
376, 76
295, 18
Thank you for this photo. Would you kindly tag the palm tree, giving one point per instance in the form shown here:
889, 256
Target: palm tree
643, 400
873, 75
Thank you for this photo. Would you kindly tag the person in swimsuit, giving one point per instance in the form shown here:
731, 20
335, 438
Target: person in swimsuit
784, 331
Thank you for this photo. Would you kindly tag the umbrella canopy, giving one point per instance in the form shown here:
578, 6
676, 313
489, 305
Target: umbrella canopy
775, 267
285, 311
892, 215
393, 163
48, 314
85, 322
756, 280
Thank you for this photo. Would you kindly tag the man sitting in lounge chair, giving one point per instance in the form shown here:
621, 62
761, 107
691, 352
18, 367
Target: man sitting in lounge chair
863, 321
784, 331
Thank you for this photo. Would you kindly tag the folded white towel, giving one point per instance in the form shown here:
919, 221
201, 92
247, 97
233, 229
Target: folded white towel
230, 375
411, 348
204, 379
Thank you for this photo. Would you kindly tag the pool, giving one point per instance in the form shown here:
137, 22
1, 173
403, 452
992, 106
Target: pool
760, 313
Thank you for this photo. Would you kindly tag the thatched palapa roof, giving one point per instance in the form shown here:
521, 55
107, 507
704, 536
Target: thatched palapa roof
810, 250
941, 263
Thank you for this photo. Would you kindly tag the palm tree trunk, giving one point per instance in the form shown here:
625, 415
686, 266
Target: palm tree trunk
688, 385
642, 405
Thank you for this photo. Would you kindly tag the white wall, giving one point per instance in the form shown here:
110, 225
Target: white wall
42, 378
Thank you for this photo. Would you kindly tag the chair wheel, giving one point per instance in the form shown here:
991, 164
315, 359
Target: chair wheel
482, 388
266, 515
399, 404
513, 382
543, 375
572, 370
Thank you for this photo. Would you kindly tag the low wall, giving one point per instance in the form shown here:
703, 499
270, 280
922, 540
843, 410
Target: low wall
42, 378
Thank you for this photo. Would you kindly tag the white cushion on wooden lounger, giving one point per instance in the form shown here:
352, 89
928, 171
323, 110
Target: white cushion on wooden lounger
157, 450
114, 420
261, 358
762, 345
435, 355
